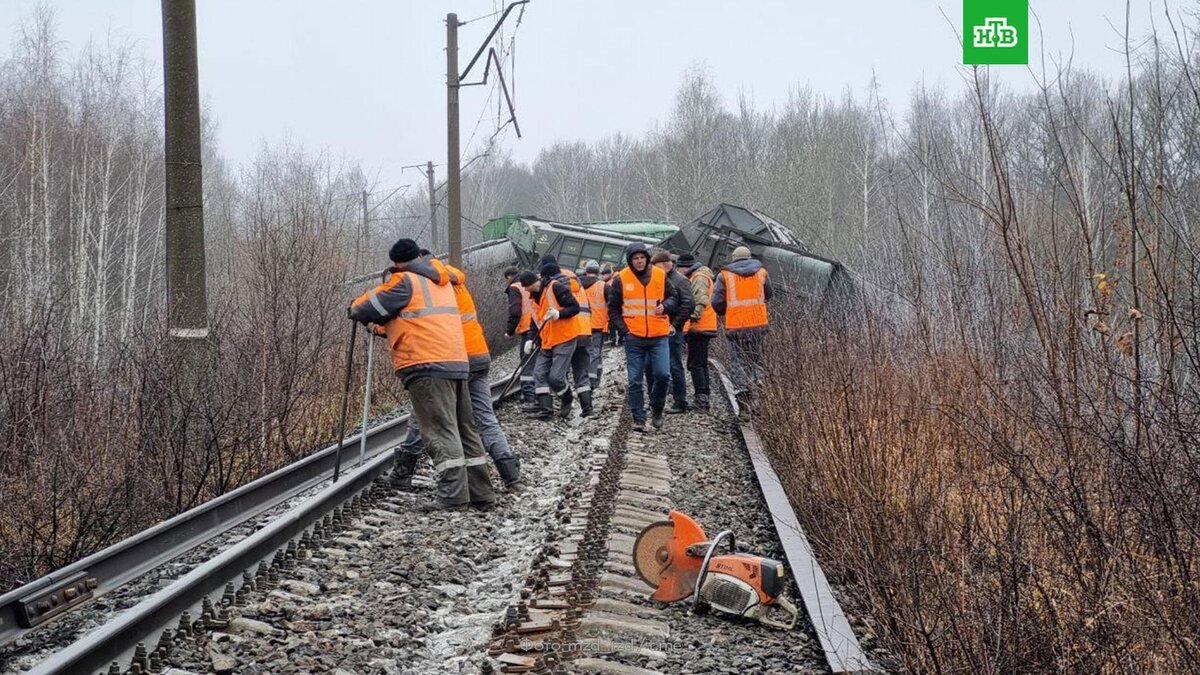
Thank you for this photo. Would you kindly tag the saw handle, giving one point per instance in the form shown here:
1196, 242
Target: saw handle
787, 606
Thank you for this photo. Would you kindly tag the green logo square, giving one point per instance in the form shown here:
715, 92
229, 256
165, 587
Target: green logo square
995, 32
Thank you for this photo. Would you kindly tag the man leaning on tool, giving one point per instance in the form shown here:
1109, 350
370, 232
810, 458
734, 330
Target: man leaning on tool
640, 303
597, 293
740, 294
508, 465
418, 311
520, 323
559, 334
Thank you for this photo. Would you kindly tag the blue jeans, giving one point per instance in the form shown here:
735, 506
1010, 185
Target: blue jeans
678, 374
642, 356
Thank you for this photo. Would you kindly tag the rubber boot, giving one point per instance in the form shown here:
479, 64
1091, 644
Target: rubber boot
585, 403
545, 407
403, 468
509, 469
568, 397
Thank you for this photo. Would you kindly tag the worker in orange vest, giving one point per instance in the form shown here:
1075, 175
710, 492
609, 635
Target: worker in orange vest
558, 312
597, 292
521, 307
508, 465
740, 294
606, 276
640, 303
417, 310
701, 327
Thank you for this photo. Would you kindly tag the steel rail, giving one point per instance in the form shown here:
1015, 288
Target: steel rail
842, 651
124, 561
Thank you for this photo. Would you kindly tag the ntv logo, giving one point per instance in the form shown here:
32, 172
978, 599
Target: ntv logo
995, 32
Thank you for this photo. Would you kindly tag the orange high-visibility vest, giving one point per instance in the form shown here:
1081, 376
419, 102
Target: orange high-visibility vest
599, 308
428, 329
639, 301
557, 331
583, 320
707, 323
526, 319
745, 300
476, 344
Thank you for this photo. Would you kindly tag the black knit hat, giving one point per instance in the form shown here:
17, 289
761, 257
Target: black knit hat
686, 260
550, 270
527, 278
404, 250
547, 260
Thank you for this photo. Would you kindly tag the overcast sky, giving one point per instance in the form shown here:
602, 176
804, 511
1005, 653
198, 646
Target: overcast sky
364, 79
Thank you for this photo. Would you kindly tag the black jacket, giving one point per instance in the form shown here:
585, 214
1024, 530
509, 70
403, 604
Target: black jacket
514, 310
568, 306
687, 302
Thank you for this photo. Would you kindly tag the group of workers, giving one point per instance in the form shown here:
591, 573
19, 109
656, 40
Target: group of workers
660, 307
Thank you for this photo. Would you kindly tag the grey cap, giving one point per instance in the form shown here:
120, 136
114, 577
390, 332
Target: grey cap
592, 267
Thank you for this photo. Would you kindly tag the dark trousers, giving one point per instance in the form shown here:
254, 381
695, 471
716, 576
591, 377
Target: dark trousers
697, 364
527, 387
596, 358
678, 374
746, 352
646, 356
444, 416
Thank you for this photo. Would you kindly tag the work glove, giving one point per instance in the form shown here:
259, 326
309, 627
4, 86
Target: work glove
528, 348
551, 314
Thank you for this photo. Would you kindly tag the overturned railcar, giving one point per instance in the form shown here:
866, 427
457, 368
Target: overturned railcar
711, 238
794, 269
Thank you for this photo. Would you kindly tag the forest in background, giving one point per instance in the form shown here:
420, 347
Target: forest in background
995, 448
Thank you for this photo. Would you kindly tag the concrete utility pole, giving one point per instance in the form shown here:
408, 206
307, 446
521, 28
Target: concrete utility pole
453, 170
364, 238
187, 298
433, 228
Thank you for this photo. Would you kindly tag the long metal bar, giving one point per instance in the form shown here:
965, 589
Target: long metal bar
366, 416
487, 40
842, 650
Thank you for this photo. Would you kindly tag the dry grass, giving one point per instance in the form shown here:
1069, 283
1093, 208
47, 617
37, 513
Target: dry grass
986, 529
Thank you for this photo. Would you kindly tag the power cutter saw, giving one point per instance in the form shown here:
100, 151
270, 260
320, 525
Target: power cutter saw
676, 558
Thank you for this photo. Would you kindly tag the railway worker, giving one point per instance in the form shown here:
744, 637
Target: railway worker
521, 325
597, 292
557, 311
701, 327
418, 311
640, 303
683, 311
508, 465
740, 294
606, 275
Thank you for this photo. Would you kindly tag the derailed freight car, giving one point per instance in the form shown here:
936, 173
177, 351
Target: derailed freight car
711, 238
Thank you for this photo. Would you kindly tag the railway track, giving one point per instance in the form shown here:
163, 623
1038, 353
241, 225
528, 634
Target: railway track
555, 570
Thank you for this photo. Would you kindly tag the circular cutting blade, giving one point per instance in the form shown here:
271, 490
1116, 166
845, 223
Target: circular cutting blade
650, 551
